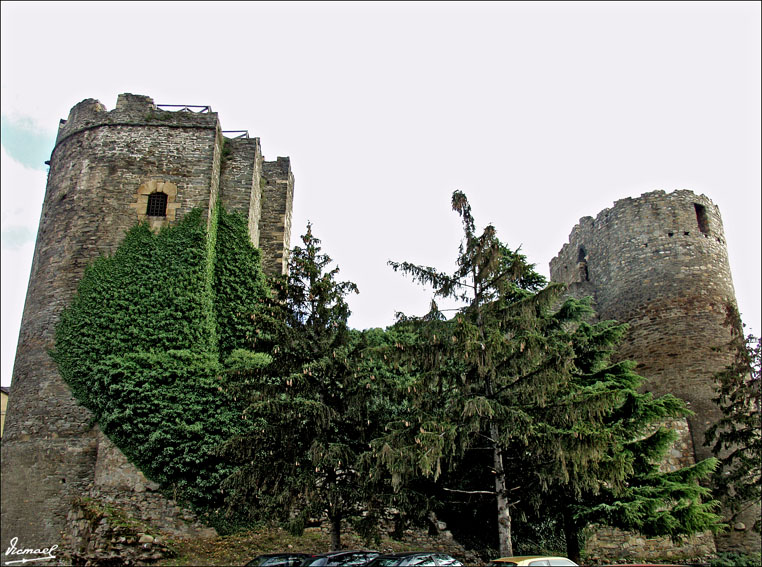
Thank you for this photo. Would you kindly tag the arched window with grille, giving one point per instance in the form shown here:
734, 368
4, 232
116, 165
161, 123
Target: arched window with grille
157, 205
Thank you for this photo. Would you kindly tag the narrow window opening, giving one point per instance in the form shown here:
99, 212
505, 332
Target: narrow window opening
702, 218
584, 276
157, 205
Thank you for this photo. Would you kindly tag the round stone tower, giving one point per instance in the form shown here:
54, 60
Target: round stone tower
102, 169
108, 171
660, 264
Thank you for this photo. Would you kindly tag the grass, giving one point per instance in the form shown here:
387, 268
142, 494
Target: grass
240, 548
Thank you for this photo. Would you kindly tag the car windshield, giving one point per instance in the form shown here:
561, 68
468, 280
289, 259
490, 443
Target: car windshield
275, 561
419, 561
352, 559
447, 561
342, 560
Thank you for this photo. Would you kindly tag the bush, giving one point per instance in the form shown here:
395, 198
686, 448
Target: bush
736, 560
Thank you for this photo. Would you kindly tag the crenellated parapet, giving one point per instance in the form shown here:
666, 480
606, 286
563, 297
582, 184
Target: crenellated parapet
132, 110
648, 247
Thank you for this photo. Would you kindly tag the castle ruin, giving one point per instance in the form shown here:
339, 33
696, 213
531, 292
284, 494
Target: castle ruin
657, 262
109, 170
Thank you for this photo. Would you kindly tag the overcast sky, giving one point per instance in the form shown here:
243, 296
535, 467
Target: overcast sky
542, 113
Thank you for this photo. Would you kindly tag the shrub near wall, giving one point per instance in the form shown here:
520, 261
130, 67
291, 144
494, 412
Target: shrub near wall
139, 347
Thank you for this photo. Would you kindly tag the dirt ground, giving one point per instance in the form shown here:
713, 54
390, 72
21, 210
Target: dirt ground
240, 548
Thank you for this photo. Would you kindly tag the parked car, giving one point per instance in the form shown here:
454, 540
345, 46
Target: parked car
417, 558
279, 560
533, 561
340, 559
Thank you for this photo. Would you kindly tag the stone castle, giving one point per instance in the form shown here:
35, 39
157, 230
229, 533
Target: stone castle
108, 170
658, 262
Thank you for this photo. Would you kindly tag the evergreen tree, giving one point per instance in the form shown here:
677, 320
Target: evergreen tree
598, 455
530, 381
737, 438
312, 407
478, 372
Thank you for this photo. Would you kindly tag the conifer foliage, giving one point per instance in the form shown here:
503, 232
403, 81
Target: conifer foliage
480, 371
600, 453
519, 374
737, 438
313, 421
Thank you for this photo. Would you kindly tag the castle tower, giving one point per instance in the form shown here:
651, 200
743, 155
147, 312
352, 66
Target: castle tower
275, 228
108, 170
660, 264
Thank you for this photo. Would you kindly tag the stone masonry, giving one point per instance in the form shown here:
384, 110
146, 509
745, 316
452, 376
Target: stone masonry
660, 264
104, 168
657, 262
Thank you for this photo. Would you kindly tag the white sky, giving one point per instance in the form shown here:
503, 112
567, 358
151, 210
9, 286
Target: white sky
542, 113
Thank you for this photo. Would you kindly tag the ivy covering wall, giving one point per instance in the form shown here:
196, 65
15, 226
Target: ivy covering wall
144, 342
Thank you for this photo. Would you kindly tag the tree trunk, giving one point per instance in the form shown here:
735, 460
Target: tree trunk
571, 533
335, 531
503, 511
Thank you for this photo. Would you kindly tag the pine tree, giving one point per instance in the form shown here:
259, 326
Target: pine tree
598, 455
737, 438
306, 455
520, 374
479, 371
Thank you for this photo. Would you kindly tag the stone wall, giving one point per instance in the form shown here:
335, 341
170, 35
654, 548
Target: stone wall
659, 263
99, 162
613, 545
103, 166
277, 204
241, 181
100, 534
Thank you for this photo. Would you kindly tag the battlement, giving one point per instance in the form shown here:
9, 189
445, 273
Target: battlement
673, 220
133, 110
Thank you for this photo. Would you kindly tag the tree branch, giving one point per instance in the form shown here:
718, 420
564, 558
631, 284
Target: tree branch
489, 492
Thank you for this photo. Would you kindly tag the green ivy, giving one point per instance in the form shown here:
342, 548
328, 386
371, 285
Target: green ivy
239, 284
143, 344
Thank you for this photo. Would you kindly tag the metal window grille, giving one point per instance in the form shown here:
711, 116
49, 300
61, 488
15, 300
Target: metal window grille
157, 205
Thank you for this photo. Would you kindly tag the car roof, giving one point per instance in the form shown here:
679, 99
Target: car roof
517, 558
408, 553
343, 551
525, 557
